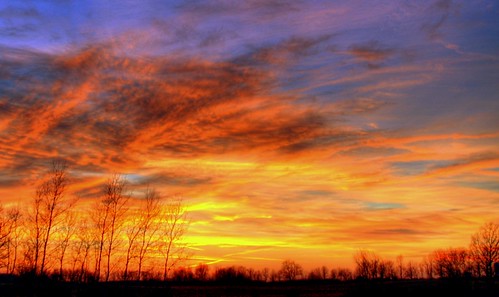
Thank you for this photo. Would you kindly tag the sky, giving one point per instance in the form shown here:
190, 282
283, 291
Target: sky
302, 130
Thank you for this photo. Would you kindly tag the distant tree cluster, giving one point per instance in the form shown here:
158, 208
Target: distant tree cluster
112, 239
289, 271
475, 261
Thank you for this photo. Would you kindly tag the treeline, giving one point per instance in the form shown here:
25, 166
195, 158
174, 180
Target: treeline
477, 261
119, 237
289, 271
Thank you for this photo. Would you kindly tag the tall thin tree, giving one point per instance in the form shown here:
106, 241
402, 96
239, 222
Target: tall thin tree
149, 227
109, 218
14, 217
84, 240
66, 232
132, 231
49, 204
174, 226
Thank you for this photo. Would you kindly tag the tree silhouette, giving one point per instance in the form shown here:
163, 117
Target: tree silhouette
428, 266
149, 227
318, 273
451, 262
108, 220
63, 241
201, 272
173, 227
290, 270
65, 234
484, 248
367, 264
49, 204
5, 232
132, 230
387, 270
14, 218
83, 242
400, 266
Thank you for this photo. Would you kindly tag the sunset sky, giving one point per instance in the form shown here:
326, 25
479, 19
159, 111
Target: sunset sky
293, 129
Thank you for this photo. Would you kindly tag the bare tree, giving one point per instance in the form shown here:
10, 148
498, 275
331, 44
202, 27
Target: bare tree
368, 264
411, 270
387, 270
35, 234
14, 218
84, 239
265, 274
100, 220
324, 272
484, 248
201, 272
275, 276
141, 229
344, 274
5, 230
173, 226
428, 266
150, 212
108, 220
183, 274
48, 207
319, 273
66, 232
290, 270
451, 262
132, 231
400, 266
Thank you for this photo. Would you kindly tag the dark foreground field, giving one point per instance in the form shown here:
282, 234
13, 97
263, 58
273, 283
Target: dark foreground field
23, 288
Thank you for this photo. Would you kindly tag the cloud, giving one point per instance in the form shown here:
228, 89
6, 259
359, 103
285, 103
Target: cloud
372, 152
398, 232
287, 51
371, 51
95, 106
222, 7
358, 106
18, 12
465, 164
439, 11
175, 179
19, 22
485, 185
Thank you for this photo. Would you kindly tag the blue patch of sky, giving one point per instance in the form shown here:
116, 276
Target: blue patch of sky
383, 205
40, 24
482, 185
373, 152
417, 167
134, 178
320, 193
482, 24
